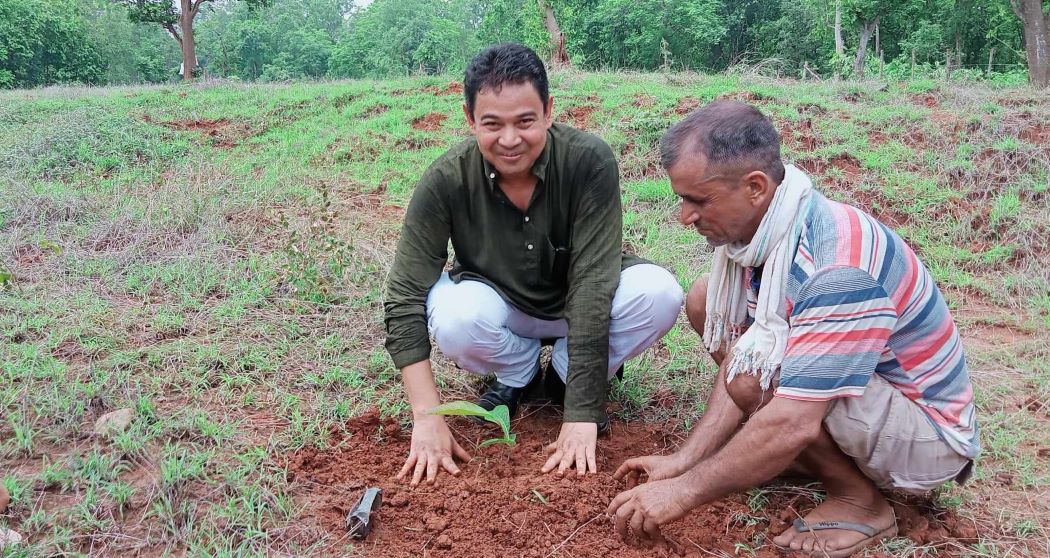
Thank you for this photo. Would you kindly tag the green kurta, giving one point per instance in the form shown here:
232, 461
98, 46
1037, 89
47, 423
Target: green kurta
559, 259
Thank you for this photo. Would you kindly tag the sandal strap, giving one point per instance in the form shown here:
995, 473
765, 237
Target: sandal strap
867, 530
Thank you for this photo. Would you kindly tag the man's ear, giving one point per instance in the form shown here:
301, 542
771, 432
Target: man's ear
759, 186
470, 117
548, 111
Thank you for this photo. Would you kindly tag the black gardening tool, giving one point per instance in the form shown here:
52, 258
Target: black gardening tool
359, 520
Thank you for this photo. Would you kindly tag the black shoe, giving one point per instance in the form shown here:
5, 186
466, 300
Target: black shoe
499, 394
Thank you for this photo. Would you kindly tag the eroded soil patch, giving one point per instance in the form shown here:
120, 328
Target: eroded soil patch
502, 505
430, 122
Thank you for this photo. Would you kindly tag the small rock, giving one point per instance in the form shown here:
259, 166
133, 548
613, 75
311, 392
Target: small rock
8, 537
111, 424
5, 498
443, 542
436, 523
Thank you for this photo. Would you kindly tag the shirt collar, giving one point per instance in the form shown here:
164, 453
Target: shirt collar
539, 168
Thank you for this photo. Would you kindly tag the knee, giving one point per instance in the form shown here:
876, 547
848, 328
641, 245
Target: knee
463, 331
746, 392
696, 304
651, 290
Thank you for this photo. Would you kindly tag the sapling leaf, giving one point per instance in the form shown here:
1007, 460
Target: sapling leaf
501, 416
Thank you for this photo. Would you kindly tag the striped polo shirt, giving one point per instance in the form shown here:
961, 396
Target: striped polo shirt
860, 302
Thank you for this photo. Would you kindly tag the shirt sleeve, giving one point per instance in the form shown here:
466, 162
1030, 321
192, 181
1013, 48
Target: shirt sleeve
839, 327
421, 255
594, 275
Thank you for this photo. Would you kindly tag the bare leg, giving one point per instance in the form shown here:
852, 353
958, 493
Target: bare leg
851, 495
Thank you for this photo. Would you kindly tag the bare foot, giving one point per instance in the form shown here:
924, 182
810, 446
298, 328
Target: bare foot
873, 511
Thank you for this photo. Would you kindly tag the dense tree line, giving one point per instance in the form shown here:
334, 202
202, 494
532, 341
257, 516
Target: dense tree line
132, 41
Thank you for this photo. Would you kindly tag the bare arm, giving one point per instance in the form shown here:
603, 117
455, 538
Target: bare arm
433, 446
720, 420
764, 447
422, 393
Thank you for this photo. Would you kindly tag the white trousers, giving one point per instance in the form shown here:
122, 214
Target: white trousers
482, 333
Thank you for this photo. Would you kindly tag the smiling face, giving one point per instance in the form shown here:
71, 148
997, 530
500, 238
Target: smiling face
510, 126
724, 205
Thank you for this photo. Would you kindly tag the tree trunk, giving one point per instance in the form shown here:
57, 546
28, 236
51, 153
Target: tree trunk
878, 42
559, 56
1036, 24
991, 57
840, 47
189, 50
862, 49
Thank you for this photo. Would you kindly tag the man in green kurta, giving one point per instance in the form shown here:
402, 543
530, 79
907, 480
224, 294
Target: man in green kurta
532, 209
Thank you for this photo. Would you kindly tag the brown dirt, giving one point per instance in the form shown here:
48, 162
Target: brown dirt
799, 135
928, 100
578, 116
644, 101
29, 254
453, 88
686, 105
223, 133
495, 508
375, 110
430, 122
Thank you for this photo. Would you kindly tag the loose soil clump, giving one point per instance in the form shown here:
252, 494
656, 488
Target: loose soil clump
430, 122
501, 505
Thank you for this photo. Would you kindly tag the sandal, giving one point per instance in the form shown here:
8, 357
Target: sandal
873, 535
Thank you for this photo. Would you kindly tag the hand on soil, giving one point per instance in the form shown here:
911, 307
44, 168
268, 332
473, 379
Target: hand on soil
575, 446
643, 509
655, 467
433, 449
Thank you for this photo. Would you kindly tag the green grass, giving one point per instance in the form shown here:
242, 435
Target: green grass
227, 285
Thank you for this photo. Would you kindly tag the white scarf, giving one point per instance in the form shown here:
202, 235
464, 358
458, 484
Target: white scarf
760, 349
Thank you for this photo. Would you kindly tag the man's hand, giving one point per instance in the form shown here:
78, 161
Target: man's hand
576, 444
655, 467
433, 448
645, 508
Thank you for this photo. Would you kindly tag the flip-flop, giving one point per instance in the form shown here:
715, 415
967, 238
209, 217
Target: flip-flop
873, 535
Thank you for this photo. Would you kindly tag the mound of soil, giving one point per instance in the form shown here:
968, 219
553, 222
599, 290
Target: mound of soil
501, 505
453, 88
578, 117
430, 122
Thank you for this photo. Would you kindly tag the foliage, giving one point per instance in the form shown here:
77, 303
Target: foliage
499, 416
41, 43
125, 41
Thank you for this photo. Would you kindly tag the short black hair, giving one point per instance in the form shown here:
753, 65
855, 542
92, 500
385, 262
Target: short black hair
726, 133
505, 63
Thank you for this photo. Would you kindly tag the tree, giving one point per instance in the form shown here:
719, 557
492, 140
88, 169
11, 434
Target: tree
559, 55
177, 21
1035, 16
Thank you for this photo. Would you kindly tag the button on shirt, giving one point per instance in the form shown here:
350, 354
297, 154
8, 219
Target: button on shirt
514, 252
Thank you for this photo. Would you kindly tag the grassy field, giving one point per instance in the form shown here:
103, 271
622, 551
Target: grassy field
213, 258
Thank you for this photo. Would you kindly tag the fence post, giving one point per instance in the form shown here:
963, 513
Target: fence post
991, 56
913, 63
